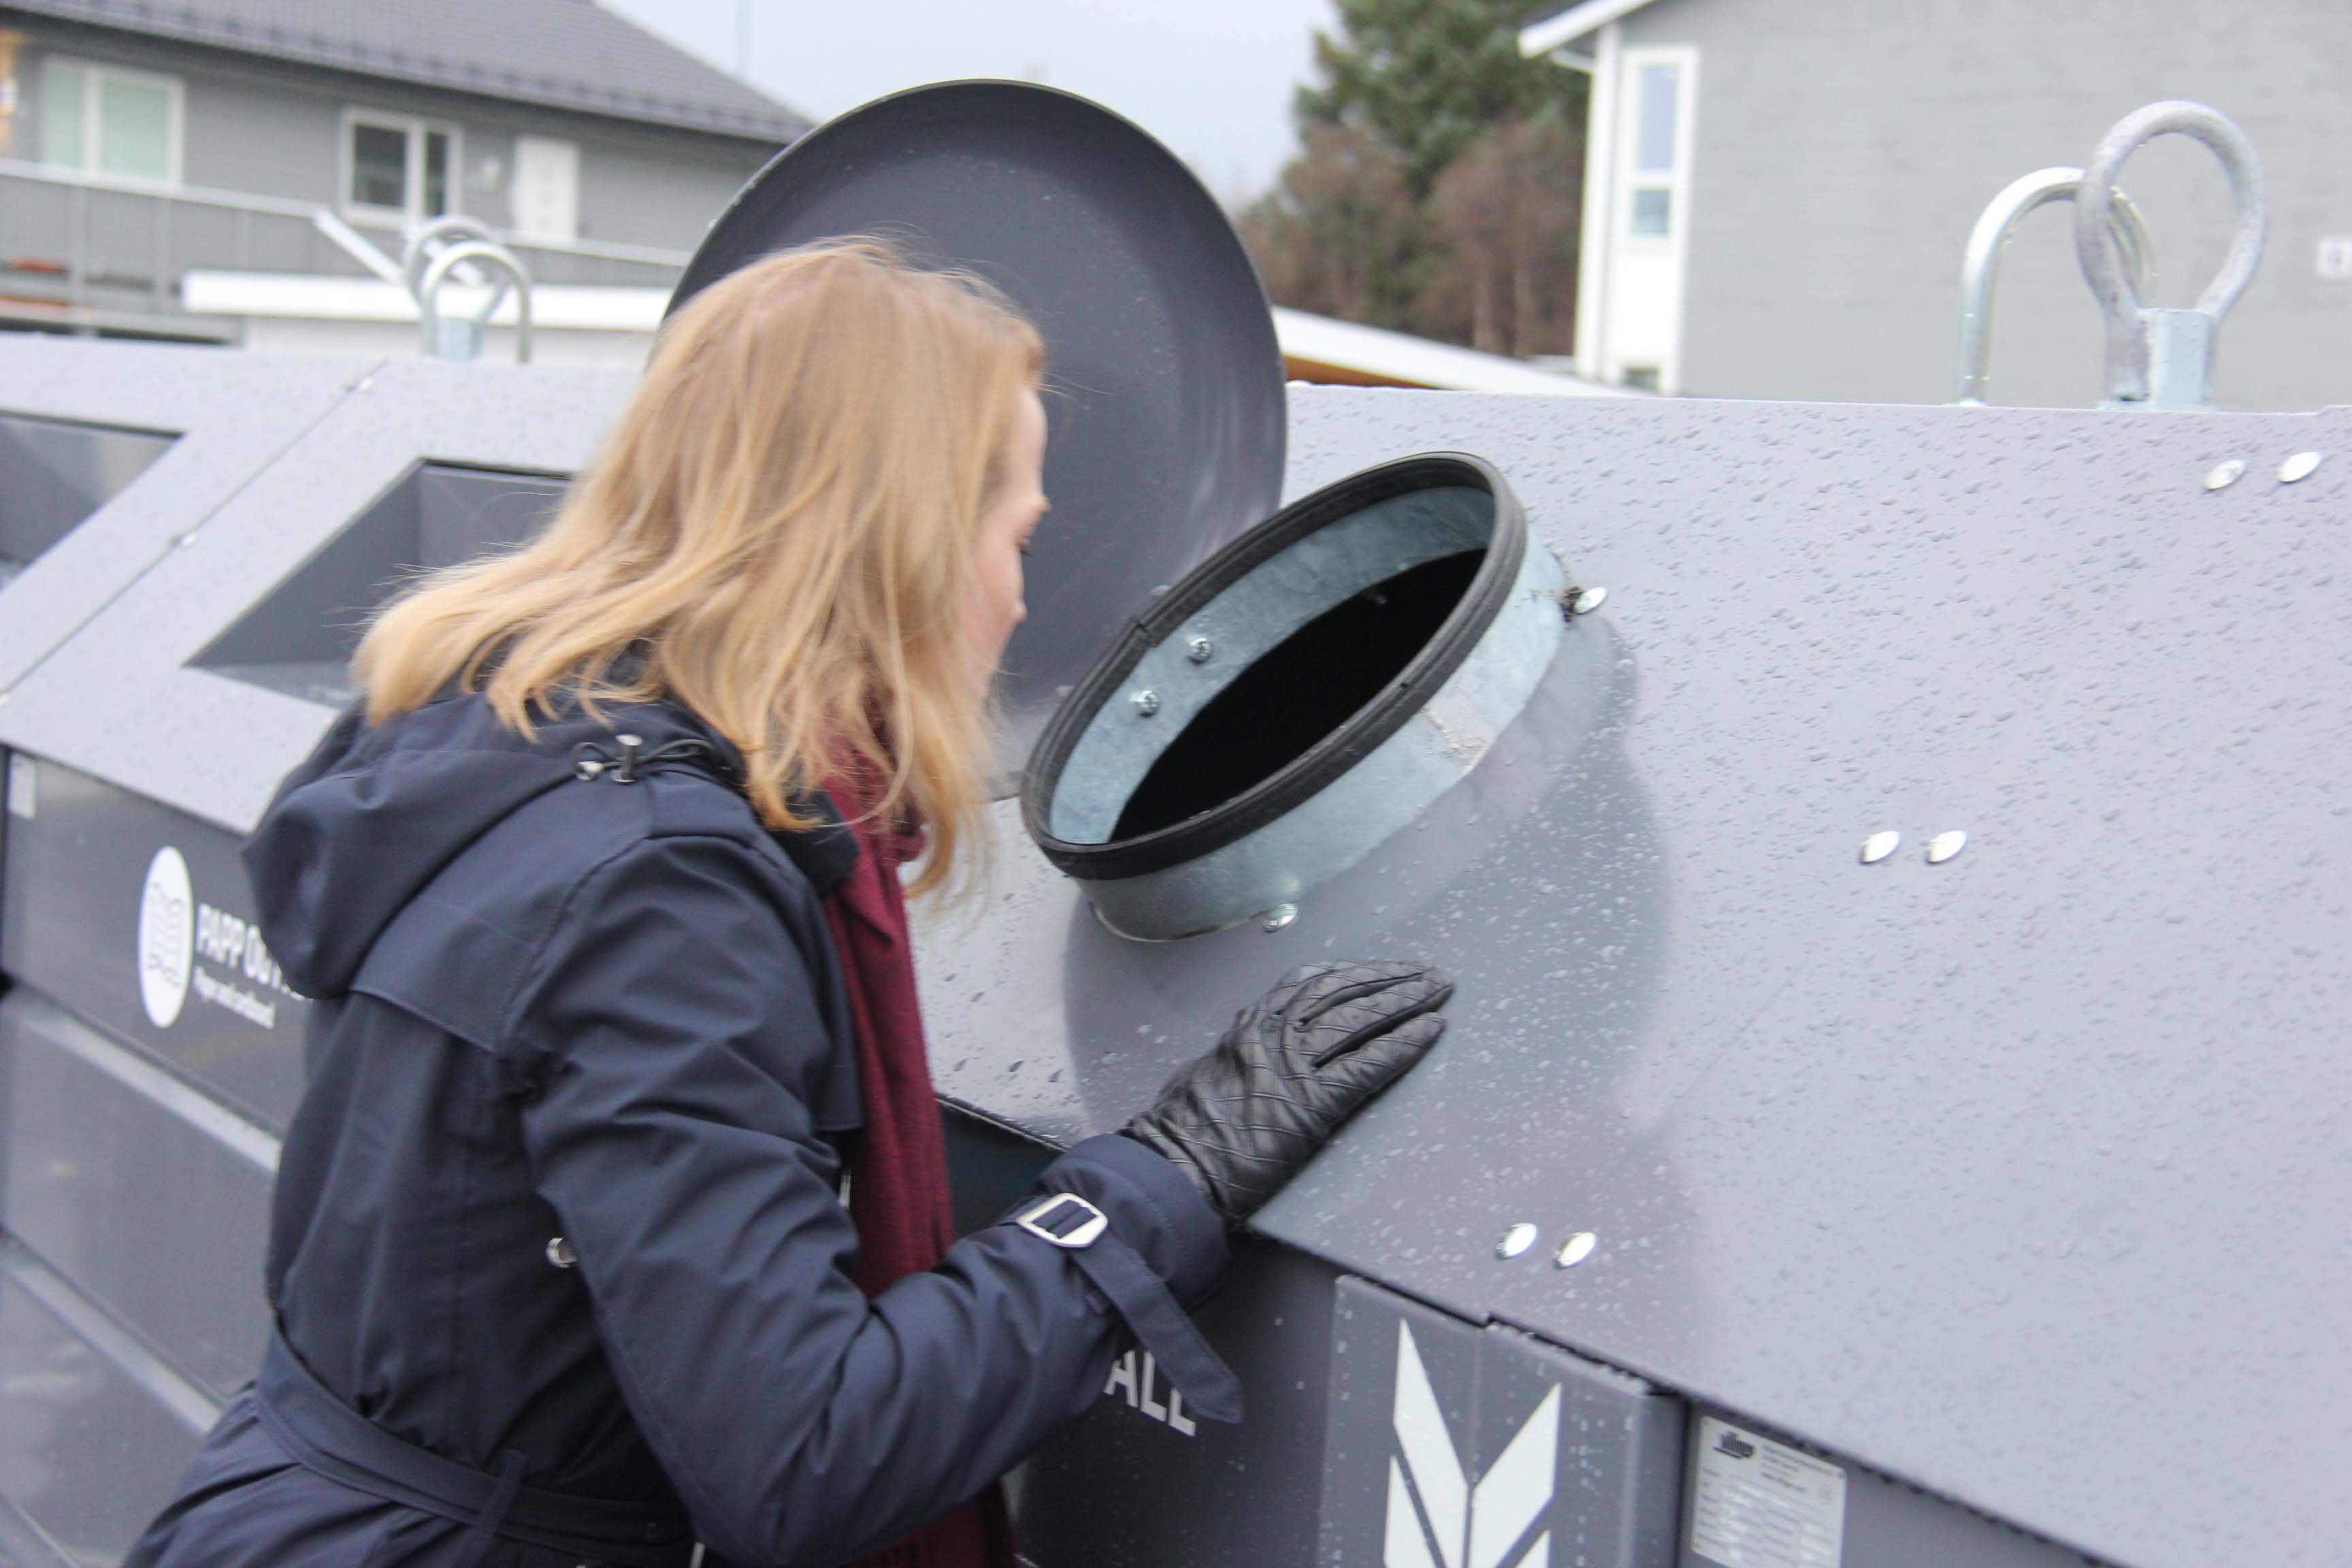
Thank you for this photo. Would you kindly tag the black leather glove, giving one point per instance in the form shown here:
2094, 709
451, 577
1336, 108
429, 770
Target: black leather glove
1303, 1058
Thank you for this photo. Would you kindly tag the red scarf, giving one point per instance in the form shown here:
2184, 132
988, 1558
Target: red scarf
897, 1165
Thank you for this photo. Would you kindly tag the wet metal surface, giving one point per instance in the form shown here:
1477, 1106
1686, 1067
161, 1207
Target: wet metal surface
230, 413
1893, 1163
126, 702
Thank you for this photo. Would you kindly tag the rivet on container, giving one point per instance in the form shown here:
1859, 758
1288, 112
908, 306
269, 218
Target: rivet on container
1278, 917
1575, 1249
1516, 1240
2221, 475
1944, 846
1200, 650
2300, 467
1879, 846
1147, 703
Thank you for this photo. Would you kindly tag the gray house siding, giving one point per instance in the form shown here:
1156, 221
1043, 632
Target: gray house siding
1844, 148
262, 128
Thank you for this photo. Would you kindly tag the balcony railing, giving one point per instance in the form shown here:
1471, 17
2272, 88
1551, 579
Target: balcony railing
95, 250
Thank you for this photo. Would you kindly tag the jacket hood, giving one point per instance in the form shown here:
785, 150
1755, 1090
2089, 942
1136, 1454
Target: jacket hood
377, 811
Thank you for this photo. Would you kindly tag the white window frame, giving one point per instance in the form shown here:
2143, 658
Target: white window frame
175, 92
414, 129
1675, 182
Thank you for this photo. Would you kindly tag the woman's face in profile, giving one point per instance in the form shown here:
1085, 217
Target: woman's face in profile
991, 604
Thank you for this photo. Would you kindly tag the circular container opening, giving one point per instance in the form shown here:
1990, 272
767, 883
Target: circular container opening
1297, 698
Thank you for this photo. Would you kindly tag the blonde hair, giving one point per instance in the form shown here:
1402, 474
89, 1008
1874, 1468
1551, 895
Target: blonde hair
778, 534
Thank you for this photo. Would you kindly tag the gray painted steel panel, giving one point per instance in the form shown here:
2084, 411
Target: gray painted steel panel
142, 1210
70, 917
1127, 1487
233, 413
1477, 1440
122, 702
1887, 1524
1900, 1158
79, 1437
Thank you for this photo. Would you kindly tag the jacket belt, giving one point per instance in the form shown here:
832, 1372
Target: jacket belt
328, 1437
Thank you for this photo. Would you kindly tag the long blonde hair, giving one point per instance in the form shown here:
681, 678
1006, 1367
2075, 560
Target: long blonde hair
780, 527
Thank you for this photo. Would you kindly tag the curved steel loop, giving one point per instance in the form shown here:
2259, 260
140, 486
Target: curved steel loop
2161, 357
431, 239
2248, 192
1980, 266
495, 257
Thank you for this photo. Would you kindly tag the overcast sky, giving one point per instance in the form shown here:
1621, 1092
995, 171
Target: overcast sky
1212, 79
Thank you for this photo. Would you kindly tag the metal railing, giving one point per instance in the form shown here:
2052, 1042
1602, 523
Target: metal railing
95, 244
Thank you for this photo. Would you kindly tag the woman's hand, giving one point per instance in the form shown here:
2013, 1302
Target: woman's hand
1241, 1120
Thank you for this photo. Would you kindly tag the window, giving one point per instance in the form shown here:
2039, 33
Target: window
398, 170
97, 119
545, 194
1658, 124
1653, 212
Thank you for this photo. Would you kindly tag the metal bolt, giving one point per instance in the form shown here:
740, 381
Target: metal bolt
1575, 1249
1200, 650
1587, 599
561, 1252
2299, 467
2221, 475
1944, 846
1516, 1240
1278, 917
1146, 702
1879, 846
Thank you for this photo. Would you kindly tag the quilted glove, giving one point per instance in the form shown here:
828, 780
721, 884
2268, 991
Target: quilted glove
1303, 1058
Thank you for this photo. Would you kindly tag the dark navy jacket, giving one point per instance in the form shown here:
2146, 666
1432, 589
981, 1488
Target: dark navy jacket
609, 1011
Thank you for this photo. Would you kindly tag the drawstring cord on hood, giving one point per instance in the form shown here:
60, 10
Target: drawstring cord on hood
591, 761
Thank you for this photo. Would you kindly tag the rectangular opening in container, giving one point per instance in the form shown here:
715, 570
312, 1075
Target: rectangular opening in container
54, 473
299, 639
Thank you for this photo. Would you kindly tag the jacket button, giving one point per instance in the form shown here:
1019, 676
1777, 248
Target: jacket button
561, 1253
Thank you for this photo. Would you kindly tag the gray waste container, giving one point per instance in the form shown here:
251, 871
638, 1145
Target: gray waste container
1771, 1200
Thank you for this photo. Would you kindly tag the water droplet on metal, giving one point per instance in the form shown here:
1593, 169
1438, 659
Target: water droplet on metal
1944, 846
1879, 846
1200, 650
1278, 917
2299, 467
2221, 475
1516, 1240
1588, 600
1576, 1249
1147, 703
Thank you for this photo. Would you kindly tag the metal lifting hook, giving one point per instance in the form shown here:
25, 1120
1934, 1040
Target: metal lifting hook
462, 247
2160, 357
1981, 268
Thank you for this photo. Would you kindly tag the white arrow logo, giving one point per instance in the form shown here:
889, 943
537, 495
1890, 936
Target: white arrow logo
1431, 1499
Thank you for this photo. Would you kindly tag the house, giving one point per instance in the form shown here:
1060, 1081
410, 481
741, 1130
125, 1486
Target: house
139, 142
1777, 192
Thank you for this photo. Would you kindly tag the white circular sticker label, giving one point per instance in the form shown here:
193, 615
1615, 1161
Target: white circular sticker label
167, 937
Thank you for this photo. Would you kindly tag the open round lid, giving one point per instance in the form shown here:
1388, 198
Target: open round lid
1166, 420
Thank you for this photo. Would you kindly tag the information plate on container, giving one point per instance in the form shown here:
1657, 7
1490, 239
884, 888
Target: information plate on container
1760, 1504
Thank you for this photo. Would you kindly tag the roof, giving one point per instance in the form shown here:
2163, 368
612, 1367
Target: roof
1374, 356
565, 53
1558, 32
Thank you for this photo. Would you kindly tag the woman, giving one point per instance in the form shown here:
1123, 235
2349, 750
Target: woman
599, 899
